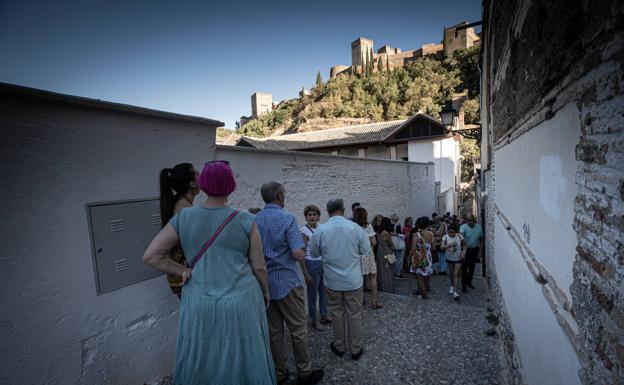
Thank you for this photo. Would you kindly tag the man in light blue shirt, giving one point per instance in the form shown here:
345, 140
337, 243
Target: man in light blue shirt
341, 243
473, 234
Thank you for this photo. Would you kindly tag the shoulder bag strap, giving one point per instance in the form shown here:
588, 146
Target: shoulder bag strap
214, 236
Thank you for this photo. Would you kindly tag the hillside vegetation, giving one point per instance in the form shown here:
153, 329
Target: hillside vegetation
424, 85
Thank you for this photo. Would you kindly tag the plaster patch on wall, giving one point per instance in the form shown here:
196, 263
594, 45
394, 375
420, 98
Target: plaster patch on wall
552, 185
144, 321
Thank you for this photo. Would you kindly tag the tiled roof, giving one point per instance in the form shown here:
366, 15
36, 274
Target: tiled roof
364, 133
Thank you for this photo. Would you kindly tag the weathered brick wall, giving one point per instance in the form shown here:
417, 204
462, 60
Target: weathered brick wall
539, 58
381, 186
598, 288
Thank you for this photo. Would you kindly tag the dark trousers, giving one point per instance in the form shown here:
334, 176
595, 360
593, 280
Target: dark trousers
468, 267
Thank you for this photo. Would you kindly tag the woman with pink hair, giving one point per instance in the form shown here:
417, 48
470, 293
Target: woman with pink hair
223, 334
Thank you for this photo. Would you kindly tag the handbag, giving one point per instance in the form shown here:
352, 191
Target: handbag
419, 251
175, 281
177, 255
390, 258
398, 242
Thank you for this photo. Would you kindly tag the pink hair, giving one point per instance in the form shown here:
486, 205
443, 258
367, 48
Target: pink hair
217, 179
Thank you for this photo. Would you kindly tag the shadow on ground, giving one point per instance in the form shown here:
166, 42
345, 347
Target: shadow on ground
413, 341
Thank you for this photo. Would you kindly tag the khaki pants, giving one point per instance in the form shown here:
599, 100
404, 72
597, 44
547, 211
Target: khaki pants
290, 309
345, 310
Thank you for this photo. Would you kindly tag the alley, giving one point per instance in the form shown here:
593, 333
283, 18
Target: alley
411, 341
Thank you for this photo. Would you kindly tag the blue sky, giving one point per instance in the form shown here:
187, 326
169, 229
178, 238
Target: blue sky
199, 57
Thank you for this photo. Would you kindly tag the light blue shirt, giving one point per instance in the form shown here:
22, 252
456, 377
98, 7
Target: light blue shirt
341, 243
472, 235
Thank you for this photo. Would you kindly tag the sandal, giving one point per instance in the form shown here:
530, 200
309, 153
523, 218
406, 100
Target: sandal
376, 306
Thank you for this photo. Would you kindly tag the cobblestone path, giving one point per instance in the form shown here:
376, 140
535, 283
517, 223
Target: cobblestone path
413, 341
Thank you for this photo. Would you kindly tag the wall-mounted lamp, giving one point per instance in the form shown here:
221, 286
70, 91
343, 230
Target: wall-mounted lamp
448, 114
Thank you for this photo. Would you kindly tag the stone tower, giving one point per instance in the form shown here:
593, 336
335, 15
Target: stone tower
261, 103
458, 38
361, 49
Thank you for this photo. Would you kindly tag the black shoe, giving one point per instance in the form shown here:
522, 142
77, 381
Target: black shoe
335, 350
464, 290
399, 276
357, 355
470, 286
442, 273
283, 380
314, 378
325, 320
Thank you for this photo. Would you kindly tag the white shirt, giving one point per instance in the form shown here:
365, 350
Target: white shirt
308, 232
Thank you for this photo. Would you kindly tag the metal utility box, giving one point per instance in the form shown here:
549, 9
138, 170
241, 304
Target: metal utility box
120, 232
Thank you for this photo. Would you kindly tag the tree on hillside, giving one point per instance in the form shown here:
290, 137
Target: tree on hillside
467, 62
472, 111
423, 85
470, 153
319, 81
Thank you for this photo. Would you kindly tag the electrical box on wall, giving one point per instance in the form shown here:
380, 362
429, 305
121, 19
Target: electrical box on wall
120, 232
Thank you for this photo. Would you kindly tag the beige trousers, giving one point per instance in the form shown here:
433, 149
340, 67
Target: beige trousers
345, 310
291, 310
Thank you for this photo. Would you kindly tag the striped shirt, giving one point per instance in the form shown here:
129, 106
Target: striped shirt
280, 234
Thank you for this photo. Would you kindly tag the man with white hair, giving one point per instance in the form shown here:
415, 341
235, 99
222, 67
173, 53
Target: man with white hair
341, 243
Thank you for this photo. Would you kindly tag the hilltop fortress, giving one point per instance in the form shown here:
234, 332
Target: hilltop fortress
387, 58
459, 36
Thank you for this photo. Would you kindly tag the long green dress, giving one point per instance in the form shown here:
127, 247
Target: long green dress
223, 335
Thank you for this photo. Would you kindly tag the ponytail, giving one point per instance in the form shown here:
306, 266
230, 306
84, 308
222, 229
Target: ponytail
178, 180
167, 200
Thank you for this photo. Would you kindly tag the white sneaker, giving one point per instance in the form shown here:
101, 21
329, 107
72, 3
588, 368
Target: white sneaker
456, 296
451, 290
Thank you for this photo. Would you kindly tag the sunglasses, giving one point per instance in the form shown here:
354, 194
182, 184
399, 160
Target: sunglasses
226, 162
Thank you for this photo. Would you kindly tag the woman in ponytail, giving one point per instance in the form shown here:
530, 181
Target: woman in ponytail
178, 188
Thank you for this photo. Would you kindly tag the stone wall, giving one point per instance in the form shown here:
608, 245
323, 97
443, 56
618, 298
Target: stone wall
381, 186
554, 71
56, 157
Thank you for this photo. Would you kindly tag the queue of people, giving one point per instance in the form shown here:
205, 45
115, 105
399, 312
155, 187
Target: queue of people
240, 277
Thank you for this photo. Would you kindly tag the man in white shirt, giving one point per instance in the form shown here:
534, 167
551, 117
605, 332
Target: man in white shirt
341, 243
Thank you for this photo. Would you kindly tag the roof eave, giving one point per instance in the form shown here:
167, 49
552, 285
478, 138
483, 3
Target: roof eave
13, 90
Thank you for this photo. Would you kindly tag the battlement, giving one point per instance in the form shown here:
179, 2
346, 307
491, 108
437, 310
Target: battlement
456, 37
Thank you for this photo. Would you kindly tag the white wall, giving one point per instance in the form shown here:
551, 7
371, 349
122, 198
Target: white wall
547, 356
55, 158
443, 153
535, 191
538, 169
381, 186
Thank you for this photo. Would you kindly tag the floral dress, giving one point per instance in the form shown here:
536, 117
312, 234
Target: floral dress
421, 248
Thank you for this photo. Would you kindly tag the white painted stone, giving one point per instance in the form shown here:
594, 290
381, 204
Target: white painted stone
381, 186
547, 355
535, 189
57, 157
538, 169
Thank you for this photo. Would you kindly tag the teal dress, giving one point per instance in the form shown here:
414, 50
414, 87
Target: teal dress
223, 335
